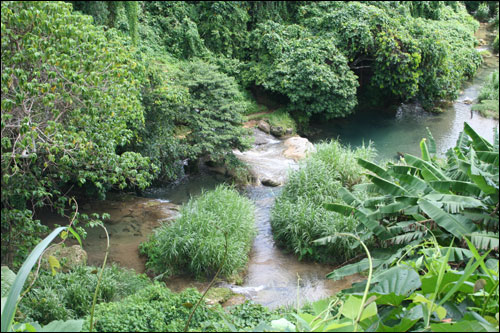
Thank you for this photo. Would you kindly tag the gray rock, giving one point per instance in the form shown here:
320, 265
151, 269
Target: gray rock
277, 131
264, 126
289, 131
270, 182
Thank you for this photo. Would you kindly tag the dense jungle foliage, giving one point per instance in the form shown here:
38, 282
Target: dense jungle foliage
103, 96
130, 95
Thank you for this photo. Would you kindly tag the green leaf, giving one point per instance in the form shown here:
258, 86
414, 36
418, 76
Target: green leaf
386, 186
374, 168
394, 285
429, 171
63, 326
461, 326
467, 272
485, 240
477, 141
456, 186
453, 224
404, 326
440, 311
22, 275
432, 142
351, 307
54, 263
76, 236
424, 150
8, 278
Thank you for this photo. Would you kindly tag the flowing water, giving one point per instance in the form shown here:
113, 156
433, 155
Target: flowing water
273, 277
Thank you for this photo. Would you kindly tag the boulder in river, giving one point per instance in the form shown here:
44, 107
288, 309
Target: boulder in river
270, 160
277, 131
68, 256
298, 148
264, 126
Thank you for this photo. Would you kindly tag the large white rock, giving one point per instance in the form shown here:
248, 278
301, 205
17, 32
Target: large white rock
298, 148
271, 159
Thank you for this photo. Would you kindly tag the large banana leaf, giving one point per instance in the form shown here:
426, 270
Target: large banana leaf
445, 186
387, 186
429, 171
348, 197
414, 184
454, 203
454, 224
425, 150
477, 141
371, 224
377, 201
478, 177
490, 157
402, 169
381, 172
485, 240
432, 142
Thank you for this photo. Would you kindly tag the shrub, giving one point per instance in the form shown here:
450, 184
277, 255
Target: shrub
154, 309
495, 44
249, 315
298, 217
195, 242
488, 97
69, 295
310, 71
482, 13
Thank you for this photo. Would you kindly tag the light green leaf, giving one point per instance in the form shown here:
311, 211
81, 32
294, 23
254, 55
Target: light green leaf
453, 224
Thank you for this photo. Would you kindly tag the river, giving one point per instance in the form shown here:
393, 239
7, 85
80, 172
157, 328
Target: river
272, 277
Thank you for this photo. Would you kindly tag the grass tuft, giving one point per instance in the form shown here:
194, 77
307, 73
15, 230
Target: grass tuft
194, 243
298, 217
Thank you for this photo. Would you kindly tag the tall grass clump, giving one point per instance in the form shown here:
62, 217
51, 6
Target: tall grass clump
298, 217
488, 97
195, 242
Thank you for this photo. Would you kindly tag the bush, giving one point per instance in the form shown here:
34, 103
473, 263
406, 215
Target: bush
495, 44
298, 217
192, 110
488, 97
70, 101
483, 12
195, 243
69, 295
155, 309
310, 71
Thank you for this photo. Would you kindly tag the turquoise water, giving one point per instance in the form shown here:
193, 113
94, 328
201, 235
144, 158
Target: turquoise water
401, 130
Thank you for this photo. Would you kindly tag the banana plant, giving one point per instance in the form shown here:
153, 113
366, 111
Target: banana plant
453, 198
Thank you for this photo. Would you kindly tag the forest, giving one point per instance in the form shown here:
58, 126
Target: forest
105, 99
